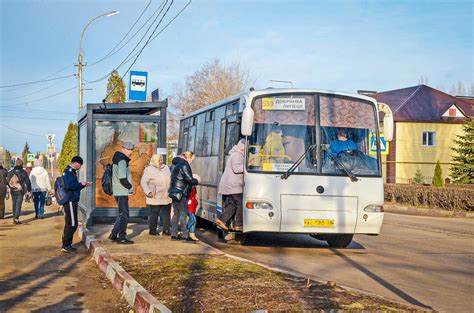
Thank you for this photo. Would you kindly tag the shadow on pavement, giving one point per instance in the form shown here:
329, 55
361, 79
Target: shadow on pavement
69, 304
380, 280
38, 278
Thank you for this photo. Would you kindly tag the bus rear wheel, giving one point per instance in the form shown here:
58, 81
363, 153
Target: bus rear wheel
339, 241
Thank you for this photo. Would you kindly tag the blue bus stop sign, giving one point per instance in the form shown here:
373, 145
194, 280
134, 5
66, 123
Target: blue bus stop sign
137, 86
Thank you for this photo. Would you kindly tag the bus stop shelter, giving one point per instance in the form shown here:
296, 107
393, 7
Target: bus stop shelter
102, 130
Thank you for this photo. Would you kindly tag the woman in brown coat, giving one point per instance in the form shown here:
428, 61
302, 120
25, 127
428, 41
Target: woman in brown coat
155, 183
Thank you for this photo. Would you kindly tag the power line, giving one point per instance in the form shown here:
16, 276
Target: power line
35, 92
112, 52
36, 118
126, 59
38, 111
40, 99
20, 131
37, 81
141, 50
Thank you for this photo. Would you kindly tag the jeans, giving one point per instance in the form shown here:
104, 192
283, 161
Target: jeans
155, 212
17, 201
39, 198
233, 205
192, 223
2, 207
120, 226
180, 216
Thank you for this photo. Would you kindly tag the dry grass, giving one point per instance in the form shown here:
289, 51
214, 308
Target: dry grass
217, 283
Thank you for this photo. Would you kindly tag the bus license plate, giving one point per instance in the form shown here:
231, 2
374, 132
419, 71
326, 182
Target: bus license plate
318, 223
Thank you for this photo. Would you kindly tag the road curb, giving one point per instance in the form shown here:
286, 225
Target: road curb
312, 278
400, 209
137, 296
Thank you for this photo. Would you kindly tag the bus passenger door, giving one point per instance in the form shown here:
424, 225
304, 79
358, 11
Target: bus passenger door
229, 136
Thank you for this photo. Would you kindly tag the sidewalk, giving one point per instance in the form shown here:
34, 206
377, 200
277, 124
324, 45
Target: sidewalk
146, 244
36, 277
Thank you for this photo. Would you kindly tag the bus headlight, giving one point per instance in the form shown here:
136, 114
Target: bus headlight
373, 208
259, 205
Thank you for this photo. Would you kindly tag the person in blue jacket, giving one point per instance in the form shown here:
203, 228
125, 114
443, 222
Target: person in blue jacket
72, 184
342, 143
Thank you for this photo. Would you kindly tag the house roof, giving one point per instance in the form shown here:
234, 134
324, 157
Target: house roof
423, 104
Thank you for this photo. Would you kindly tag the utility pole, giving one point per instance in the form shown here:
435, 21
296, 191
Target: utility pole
50, 152
79, 57
79, 74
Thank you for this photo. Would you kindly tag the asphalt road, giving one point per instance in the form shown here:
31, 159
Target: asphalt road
427, 261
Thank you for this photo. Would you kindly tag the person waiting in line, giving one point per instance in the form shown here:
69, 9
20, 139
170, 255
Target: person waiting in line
74, 187
40, 185
122, 188
28, 169
342, 143
20, 185
192, 207
182, 181
155, 182
3, 189
231, 188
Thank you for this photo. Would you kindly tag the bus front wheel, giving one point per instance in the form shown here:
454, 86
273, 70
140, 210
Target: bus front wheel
339, 241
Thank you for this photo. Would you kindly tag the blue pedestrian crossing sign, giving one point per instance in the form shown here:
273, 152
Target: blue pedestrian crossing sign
137, 86
373, 144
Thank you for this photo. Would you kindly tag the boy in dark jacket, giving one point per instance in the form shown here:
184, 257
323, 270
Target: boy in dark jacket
74, 187
19, 184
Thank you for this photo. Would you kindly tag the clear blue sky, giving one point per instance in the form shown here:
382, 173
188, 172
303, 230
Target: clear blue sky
338, 45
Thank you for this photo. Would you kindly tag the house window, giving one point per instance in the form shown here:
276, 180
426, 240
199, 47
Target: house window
429, 139
452, 112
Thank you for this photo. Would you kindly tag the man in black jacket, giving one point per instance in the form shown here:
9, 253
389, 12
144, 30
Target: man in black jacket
3, 189
182, 181
72, 184
19, 184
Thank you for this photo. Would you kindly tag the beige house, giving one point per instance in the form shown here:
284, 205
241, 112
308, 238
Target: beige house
427, 122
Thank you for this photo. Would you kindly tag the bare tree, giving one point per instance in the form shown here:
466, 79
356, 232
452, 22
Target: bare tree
458, 89
423, 80
214, 81
472, 90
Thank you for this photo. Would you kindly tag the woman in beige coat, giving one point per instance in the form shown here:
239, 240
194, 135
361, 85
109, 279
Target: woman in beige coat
155, 183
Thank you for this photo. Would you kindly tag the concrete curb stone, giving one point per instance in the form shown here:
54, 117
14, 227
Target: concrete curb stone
139, 298
400, 209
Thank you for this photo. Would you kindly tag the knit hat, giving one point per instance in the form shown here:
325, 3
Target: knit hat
128, 145
38, 162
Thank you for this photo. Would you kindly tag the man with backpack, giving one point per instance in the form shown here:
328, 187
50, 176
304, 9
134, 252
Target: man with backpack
73, 187
19, 184
3, 189
122, 187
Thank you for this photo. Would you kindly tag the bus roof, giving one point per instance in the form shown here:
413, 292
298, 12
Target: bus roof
261, 92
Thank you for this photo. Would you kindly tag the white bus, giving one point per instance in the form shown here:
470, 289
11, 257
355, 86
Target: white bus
312, 161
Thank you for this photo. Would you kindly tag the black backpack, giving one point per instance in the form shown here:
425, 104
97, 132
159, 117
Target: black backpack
60, 191
107, 180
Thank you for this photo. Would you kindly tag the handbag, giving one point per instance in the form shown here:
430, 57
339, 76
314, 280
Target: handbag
175, 195
49, 199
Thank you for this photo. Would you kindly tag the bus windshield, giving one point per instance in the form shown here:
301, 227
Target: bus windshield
285, 126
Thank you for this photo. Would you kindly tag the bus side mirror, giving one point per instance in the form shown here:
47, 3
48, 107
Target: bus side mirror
387, 121
247, 121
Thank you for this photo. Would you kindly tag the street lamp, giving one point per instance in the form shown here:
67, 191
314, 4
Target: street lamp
79, 58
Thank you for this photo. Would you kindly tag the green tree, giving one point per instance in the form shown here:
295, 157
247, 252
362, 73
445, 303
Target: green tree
115, 89
26, 151
462, 169
438, 176
419, 178
69, 147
